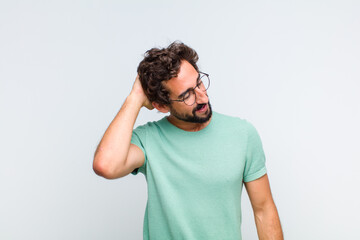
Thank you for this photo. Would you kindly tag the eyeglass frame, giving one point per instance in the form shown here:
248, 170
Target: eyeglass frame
193, 89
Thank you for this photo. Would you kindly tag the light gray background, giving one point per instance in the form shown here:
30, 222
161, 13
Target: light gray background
289, 67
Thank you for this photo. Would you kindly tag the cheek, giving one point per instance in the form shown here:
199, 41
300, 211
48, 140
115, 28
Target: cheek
184, 108
187, 108
193, 108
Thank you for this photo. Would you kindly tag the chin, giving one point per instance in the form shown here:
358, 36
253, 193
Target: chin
194, 117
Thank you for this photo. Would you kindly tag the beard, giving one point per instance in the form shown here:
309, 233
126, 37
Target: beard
194, 118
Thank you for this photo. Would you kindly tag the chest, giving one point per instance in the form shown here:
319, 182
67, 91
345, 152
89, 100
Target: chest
214, 163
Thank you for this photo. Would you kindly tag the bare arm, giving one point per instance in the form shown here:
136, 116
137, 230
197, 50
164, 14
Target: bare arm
115, 156
266, 216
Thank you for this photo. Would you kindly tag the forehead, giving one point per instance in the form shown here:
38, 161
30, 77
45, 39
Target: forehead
186, 78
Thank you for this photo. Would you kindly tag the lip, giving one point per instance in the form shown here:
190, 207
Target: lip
203, 109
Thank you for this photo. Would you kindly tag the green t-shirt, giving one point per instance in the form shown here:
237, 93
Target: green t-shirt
195, 179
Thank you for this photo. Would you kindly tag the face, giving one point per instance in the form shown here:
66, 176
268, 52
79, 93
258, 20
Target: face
200, 111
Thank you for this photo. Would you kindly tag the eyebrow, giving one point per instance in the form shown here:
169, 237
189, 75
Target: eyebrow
183, 93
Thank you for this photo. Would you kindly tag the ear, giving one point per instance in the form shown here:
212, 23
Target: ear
161, 107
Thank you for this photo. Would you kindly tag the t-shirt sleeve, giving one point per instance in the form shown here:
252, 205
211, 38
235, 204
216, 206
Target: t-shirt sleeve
139, 139
255, 157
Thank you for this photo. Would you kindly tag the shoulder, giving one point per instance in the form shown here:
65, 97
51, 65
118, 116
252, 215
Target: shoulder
235, 125
149, 126
232, 121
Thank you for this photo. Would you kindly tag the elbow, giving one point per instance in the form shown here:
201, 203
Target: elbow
265, 209
103, 169
98, 167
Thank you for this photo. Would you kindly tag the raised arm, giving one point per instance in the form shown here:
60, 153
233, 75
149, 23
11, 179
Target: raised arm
115, 156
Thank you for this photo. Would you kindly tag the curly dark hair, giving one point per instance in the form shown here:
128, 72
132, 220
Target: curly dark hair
161, 65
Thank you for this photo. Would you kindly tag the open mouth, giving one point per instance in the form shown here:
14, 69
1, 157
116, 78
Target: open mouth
201, 107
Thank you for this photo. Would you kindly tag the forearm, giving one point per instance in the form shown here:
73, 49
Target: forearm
268, 223
113, 148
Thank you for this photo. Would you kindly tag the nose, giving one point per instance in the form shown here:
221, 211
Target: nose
201, 96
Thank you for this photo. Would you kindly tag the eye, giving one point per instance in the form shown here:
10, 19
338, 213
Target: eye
187, 95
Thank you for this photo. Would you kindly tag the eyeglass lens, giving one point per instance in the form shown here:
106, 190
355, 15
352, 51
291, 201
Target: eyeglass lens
190, 98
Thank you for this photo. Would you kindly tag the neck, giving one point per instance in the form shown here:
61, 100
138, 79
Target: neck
187, 126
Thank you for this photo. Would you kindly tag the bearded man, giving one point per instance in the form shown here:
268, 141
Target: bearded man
195, 160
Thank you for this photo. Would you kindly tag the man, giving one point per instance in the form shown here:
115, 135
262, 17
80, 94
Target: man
195, 160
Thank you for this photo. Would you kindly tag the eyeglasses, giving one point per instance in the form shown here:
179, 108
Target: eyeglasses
189, 97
